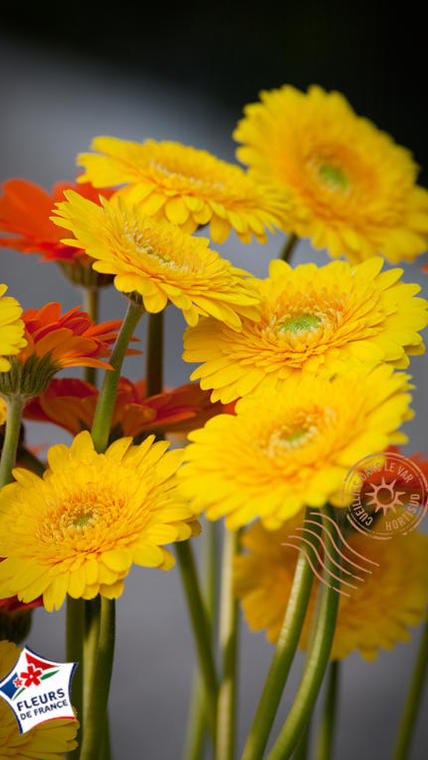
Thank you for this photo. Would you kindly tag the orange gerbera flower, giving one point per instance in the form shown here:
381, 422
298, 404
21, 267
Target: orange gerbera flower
55, 341
70, 403
72, 340
25, 209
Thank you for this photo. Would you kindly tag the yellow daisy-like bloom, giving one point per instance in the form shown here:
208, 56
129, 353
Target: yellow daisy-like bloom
292, 447
78, 530
352, 189
11, 329
185, 186
375, 615
322, 321
158, 261
47, 741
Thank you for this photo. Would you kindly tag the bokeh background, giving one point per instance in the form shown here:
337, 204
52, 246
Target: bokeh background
184, 73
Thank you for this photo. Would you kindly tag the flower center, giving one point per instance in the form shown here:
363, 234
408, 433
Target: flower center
82, 518
301, 323
333, 177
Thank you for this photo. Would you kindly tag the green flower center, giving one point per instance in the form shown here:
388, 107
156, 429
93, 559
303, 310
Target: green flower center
82, 519
295, 438
333, 176
301, 323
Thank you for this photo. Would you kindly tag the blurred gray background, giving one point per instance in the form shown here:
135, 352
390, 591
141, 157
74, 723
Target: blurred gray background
52, 107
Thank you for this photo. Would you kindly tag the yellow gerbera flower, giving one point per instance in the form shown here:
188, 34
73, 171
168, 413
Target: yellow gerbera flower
323, 321
351, 188
185, 186
375, 615
47, 741
11, 329
292, 447
79, 529
158, 261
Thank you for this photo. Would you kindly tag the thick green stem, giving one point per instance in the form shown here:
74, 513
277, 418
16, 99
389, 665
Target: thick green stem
283, 657
289, 246
201, 630
229, 619
73, 651
316, 661
107, 397
302, 749
95, 727
325, 740
90, 305
154, 354
100, 622
14, 406
413, 701
91, 636
196, 724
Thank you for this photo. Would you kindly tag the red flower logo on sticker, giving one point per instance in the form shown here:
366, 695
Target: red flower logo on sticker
31, 676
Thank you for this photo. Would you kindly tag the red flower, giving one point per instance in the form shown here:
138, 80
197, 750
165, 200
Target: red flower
31, 676
70, 403
17, 682
72, 339
25, 209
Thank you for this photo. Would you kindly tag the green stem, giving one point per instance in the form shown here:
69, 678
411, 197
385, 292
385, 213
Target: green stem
107, 397
288, 249
15, 406
154, 354
302, 749
413, 700
316, 661
95, 727
196, 724
90, 647
201, 629
73, 649
28, 459
90, 305
283, 657
229, 619
324, 748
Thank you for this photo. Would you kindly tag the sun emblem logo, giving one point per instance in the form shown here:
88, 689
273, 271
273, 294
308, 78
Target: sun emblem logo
384, 497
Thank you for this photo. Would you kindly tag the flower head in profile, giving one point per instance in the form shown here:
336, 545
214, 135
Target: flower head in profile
185, 186
351, 188
55, 341
158, 261
78, 530
47, 741
70, 403
376, 614
71, 339
12, 339
292, 447
313, 320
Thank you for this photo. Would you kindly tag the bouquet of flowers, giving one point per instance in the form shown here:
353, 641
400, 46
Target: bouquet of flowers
287, 428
